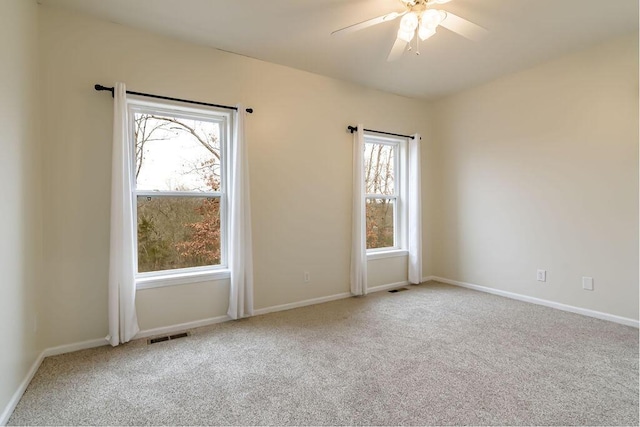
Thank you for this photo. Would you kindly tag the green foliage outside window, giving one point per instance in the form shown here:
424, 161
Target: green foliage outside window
179, 156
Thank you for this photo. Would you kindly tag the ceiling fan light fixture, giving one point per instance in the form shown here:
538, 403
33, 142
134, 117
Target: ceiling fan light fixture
409, 22
425, 32
431, 18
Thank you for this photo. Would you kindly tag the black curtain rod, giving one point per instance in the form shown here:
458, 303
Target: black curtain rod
353, 129
148, 95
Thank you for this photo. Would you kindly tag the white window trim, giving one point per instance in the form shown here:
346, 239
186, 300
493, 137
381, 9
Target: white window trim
162, 278
400, 217
383, 254
173, 279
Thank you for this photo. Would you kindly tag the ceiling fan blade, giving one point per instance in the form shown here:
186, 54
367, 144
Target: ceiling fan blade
368, 23
397, 50
466, 29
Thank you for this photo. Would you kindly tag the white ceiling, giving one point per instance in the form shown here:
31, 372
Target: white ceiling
296, 33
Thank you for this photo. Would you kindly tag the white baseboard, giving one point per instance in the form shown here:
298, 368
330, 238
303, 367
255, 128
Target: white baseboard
181, 327
298, 304
381, 288
8, 410
564, 307
321, 300
69, 348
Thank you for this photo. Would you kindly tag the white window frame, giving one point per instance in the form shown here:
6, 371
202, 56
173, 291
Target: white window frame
224, 118
400, 214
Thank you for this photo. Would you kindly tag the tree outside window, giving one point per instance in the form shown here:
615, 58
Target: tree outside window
179, 187
380, 168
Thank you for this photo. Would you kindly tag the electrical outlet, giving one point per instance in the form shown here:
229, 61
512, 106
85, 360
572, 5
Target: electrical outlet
587, 283
542, 276
307, 277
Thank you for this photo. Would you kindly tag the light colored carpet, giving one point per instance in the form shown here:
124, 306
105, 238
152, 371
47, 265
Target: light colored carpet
435, 354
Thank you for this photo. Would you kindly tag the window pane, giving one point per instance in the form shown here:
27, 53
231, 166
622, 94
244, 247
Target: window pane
178, 232
379, 168
379, 223
176, 154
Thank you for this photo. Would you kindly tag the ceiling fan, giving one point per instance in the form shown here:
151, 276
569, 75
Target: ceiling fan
419, 18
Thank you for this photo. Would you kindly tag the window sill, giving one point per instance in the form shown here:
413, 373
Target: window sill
181, 279
393, 253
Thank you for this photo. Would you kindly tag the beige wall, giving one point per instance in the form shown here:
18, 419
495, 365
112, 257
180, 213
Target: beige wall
300, 166
381, 272
540, 170
20, 220
174, 305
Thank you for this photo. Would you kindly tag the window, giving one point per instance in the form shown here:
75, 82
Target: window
384, 166
179, 188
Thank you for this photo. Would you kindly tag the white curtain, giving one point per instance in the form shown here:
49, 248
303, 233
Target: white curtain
123, 322
414, 204
358, 225
240, 247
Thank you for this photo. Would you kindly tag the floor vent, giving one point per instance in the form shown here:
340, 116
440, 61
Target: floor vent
167, 338
393, 291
